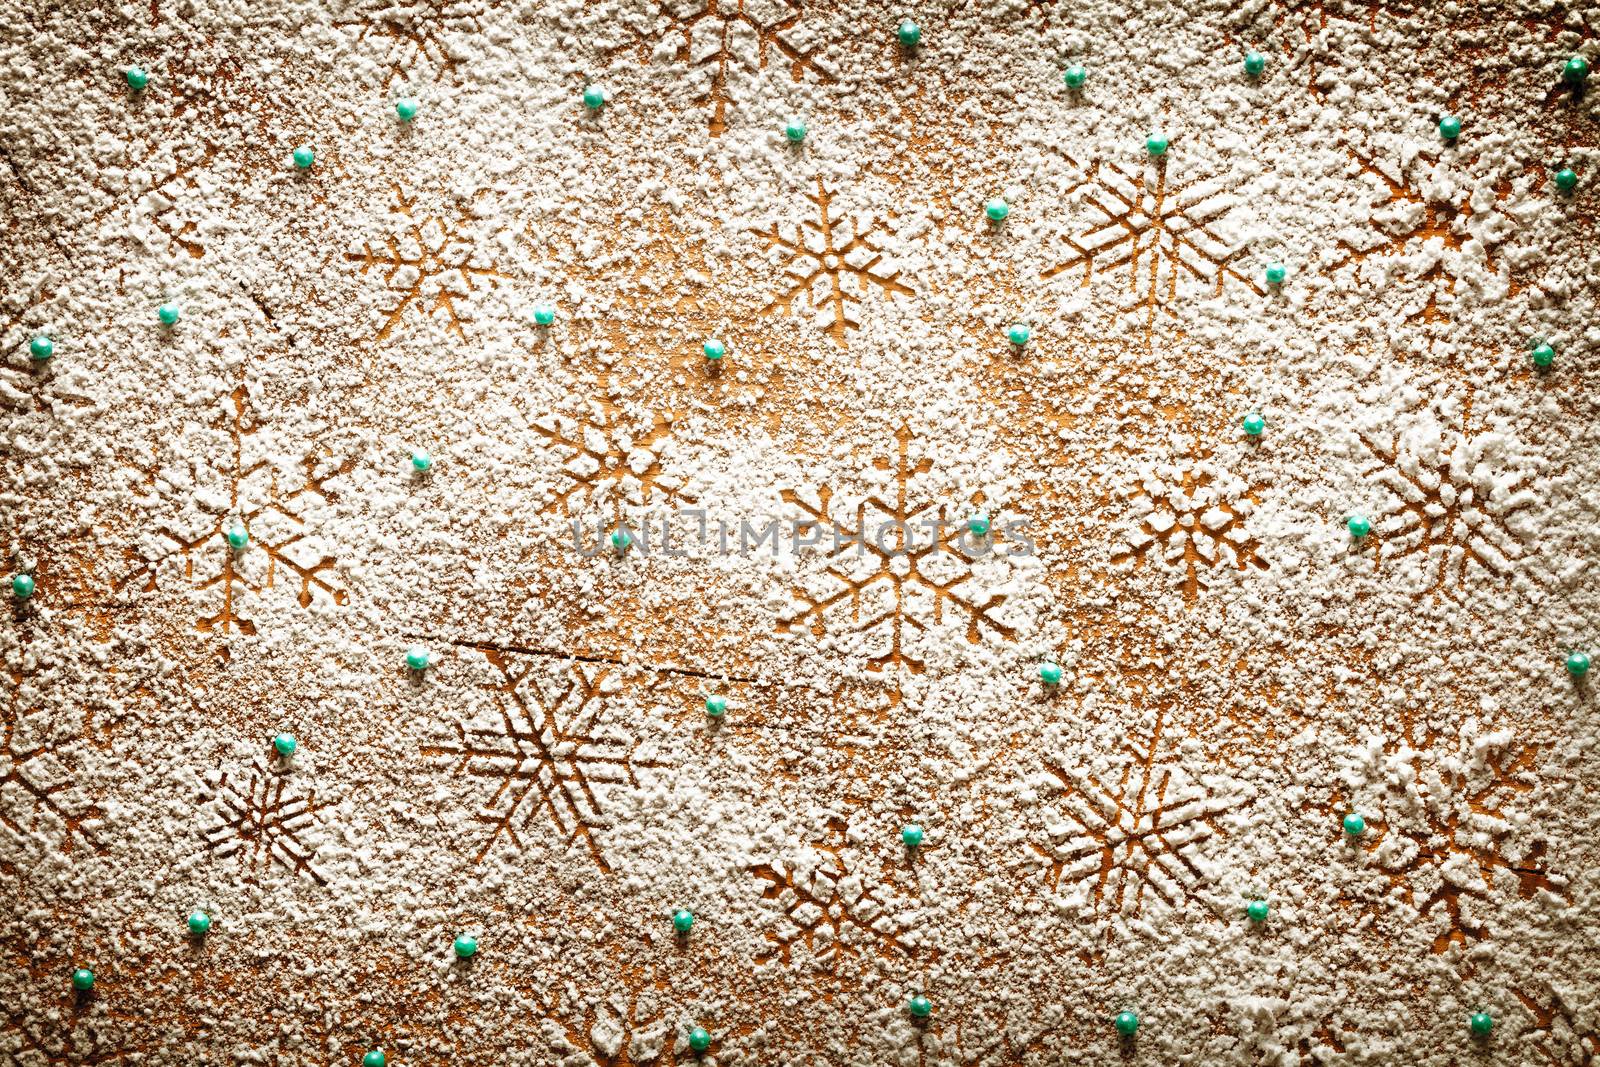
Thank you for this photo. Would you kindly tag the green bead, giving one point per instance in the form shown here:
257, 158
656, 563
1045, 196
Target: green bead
978, 525
418, 658
168, 314
466, 947
41, 348
909, 33
1257, 910
1020, 334
1127, 1023
1576, 70
1577, 664
285, 744
1050, 674
1358, 526
1156, 145
304, 157
714, 349
795, 130
699, 1040
716, 706
83, 979
421, 461
1480, 1024
137, 77
997, 210
1254, 64
1449, 127
1075, 77
1544, 354
199, 923
621, 539
374, 1058
682, 920
911, 836
1354, 825
1566, 179
920, 1006
238, 537
1254, 424
407, 108
594, 97
1276, 273
544, 314
22, 586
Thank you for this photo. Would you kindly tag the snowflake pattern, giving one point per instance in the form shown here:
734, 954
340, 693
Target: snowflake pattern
428, 263
37, 788
550, 749
1196, 525
828, 906
165, 188
260, 818
410, 36
605, 463
893, 570
626, 1028
722, 38
831, 265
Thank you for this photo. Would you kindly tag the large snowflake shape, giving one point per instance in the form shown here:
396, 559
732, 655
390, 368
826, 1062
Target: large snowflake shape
550, 750
608, 460
260, 818
830, 265
896, 569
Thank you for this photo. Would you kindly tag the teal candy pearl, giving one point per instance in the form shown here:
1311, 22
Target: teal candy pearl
594, 97
418, 658
997, 210
421, 461
466, 947
238, 537
682, 920
1449, 127
1257, 910
22, 586
1254, 64
1354, 825
407, 108
911, 836
1544, 354
1566, 179
979, 525
137, 77
1156, 144
544, 314
1577, 664
1050, 674
1075, 77
795, 130
1127, 1023
699, 1039
168, 314
83, 979
909, 33
304, 157
199, 923
41, 348
714, 349
1020, 334
1276, 273
1358, 526
1480, 1023
920, 1006
375, 1058
284, 745
1254, 424
1576, 70
621, 539
716, 707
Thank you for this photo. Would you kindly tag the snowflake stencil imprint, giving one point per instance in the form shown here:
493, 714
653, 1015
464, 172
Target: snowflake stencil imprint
1196, 524
259, 818
894, 569
276, 521
38, 792
165, 186
549, 749
834, 909
1447, 508
1134, 831
410, 35
606, 463
1156, 237
428, 263
831, 265
717, 38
